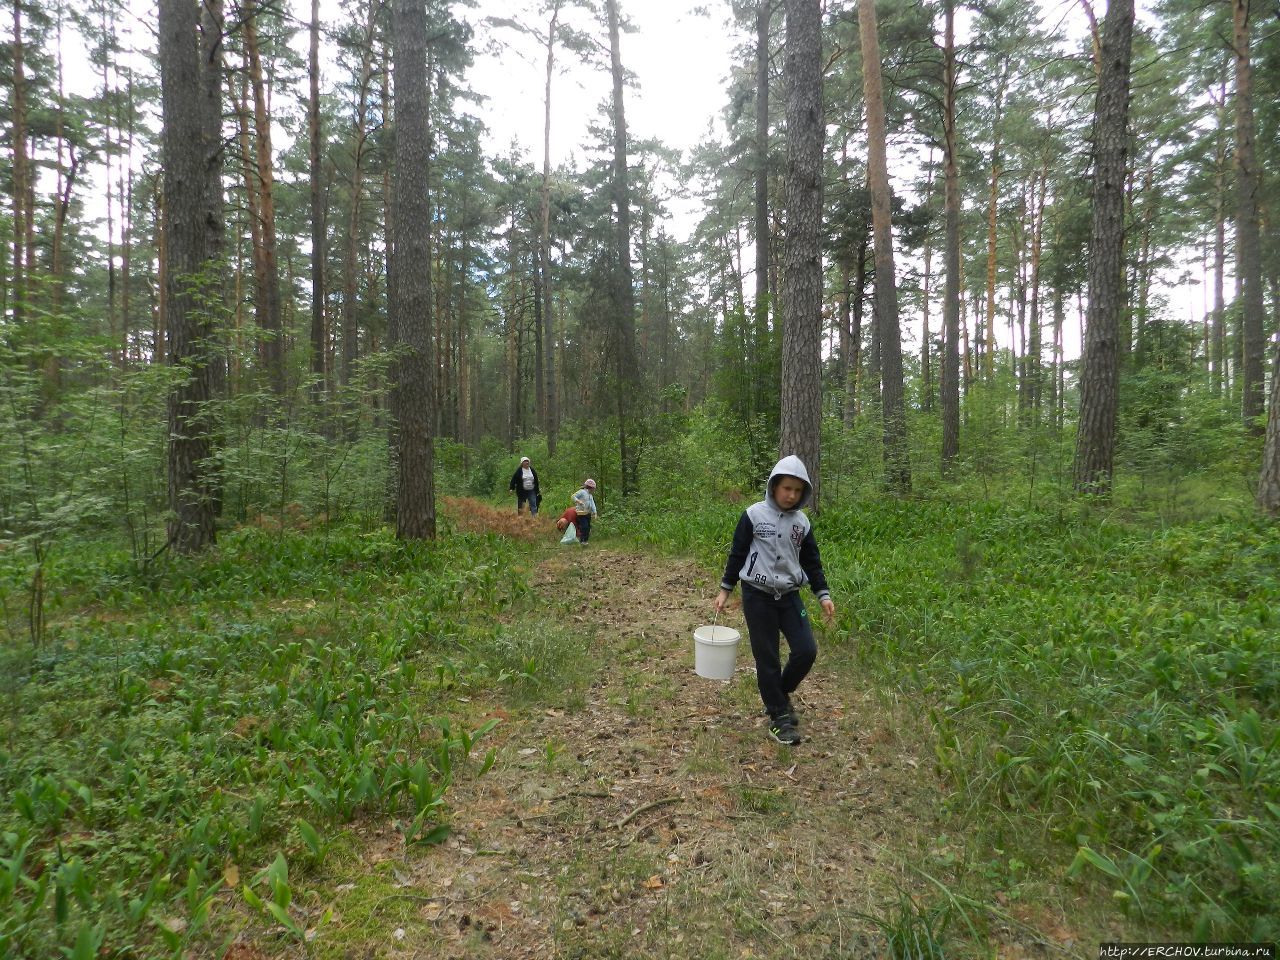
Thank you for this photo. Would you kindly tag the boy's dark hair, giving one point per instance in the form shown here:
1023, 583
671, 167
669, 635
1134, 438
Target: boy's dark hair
777, 478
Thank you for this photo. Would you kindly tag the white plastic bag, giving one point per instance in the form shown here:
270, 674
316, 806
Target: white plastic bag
570, 534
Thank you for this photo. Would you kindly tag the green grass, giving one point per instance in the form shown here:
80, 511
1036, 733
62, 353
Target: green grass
170, 727
1100, 691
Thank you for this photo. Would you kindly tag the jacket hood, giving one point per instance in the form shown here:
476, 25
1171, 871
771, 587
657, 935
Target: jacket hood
791, 466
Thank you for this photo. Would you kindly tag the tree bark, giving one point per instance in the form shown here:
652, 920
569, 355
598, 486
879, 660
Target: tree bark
853, 376
993, 204
760, 338
551, 423
128, 345
108, 150
350, 349
1035, 358
1056, 382
68, 165
1218, 329
950, 387
319, 338
1100, 376
267, 272
926, 366
1268, 496
897, 463
1248, 236
21, 175
410, 285
623, 297
801, 294
187, 320
212, 34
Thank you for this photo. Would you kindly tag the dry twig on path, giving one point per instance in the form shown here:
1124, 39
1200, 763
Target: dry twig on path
641, 809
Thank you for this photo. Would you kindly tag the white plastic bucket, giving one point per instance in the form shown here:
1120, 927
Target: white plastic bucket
714, 651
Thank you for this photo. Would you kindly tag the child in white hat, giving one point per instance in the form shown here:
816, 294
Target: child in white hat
585, 504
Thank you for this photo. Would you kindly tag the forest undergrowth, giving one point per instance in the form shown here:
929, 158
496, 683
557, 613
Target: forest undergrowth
1027, 733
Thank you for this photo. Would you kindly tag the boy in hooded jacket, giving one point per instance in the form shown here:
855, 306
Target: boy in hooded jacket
774, 554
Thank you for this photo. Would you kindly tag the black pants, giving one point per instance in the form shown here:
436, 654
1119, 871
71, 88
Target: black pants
583, 524
767, 617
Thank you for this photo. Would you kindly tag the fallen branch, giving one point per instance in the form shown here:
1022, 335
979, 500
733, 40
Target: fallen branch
582, 793
648, 806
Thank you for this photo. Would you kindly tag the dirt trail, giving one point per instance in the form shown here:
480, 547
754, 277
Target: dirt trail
649, 815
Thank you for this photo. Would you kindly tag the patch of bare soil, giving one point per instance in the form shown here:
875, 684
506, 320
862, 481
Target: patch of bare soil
648, 815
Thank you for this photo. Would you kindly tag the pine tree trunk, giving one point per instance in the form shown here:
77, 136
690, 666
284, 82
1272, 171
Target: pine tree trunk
1218, 334
926, 371
897, 463
1269, 479
664, 340
846, 344
552, 422
160, 305
623, 295
212, 38
267, 274
801, 294
20, 173
1099, 385
66, 178
1143, 267
126, 239
252, 195
539, 342
1056, 387
950, 374
319, 336
1248, 239
1035, 359
853, 376
410, 286
760, 338
350, 350
188, 321
109, 151
463, 419
512, 331
1018, 299
993, 204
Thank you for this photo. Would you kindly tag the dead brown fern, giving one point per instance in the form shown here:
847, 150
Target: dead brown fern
474, 516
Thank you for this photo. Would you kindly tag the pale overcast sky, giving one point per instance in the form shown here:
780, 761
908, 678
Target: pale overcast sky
678, 53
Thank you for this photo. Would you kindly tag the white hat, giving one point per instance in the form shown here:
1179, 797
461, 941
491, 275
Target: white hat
525, 460
589, 483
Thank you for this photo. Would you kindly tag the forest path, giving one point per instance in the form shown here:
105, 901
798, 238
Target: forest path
645, 813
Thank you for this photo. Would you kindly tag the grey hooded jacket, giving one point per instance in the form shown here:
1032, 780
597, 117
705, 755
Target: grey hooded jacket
773, 549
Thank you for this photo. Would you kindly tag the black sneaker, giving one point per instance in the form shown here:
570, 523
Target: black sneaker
789, 713
784, 731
